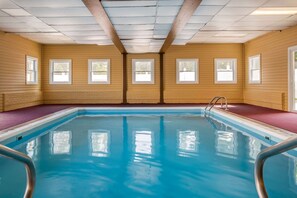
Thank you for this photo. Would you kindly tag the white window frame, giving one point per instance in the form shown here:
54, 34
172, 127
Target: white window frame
251, 81
31, 58
152, 71
234, 60
52, 61
90, 61
196, 71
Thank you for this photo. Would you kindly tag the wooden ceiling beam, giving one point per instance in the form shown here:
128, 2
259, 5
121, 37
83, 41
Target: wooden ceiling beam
97, 10
187, 10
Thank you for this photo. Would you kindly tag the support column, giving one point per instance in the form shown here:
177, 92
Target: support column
125, 78
161, 78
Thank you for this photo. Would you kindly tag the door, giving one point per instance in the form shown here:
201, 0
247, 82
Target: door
293, 79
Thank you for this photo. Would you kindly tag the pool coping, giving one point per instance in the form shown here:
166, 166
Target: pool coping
275, 134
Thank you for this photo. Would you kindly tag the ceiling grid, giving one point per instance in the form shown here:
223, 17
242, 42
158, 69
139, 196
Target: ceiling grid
144, 25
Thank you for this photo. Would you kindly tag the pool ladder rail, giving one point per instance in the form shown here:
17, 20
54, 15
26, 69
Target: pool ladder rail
276, 149
214, 101
29, 165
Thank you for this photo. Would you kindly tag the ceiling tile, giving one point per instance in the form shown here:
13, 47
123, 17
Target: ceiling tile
213, 27
119, 3
69, 20
200, 19
8, 20
251, 23
214, 2
49, 3
85, 33
59, 12
89, 37
134, 27
136, 37
226, 18
280, 3
245, 3
168, 10
162, 20
7, 4
194, 26
16, 12
180, 41
207, 10
76, 27
265, 17
236, 11
127, 32
132, 20
131, 12
160, 36
161, 32
171, 3
183, 37
163, 26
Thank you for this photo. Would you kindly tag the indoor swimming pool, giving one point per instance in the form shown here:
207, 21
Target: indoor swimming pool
160, 153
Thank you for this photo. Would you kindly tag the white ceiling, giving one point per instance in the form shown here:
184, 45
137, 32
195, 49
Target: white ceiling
142, 25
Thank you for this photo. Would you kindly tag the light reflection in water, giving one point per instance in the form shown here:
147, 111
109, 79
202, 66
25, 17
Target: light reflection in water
31, 148
99, 143
61, 142
255, 148
143, 143
187, 142
226, 144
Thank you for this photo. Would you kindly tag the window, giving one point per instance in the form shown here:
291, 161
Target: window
99, 143
31, 70
61, 142
254, 69
60, 71
187, 71
143, 71
143, 142
99, 71
225, 70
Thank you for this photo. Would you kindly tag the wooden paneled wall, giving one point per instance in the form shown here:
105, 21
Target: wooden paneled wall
206, 89
13, 87
143, 93
272, 92
273, 48
80, 92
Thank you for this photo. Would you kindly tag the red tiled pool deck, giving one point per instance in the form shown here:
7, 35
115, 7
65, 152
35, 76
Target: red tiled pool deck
280, 119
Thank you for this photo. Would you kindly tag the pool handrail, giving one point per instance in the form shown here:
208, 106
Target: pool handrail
29, 165
276, 149
214, 101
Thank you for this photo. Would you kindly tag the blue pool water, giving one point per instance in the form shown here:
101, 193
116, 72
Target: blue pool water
180, 155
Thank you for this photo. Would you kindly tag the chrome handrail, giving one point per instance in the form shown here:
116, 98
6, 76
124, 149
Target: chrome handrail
214, 101
29, 165
276, 149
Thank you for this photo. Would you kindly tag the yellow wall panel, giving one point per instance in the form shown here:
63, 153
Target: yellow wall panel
13, 51
206, 89
80, 91
273, 48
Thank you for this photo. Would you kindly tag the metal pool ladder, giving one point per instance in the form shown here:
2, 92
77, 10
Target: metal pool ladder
29, 165
276, 149
214, 101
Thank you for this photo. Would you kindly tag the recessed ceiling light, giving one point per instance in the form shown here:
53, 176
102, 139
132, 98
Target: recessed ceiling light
275, 11
16, 12
230, 35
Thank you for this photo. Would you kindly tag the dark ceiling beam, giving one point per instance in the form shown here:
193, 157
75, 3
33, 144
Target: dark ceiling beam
187, 10
97, 10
